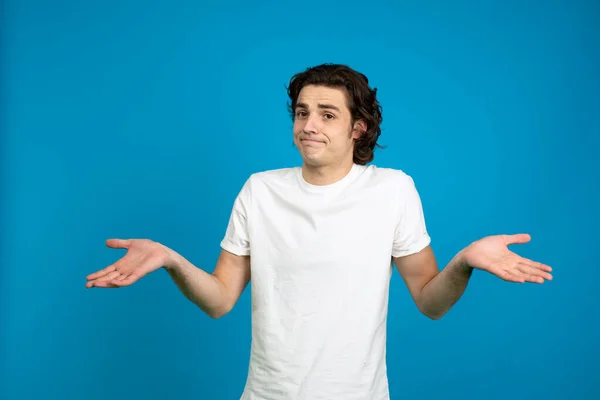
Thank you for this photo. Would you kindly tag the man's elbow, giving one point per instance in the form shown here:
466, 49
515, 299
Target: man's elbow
433, 315
429, 307
216, 315
216, 312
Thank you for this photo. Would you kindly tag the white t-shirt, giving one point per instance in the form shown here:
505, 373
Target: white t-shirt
321, 263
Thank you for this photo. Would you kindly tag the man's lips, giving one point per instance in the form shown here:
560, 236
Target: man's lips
311, 140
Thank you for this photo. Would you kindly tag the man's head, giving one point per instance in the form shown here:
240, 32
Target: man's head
336, 115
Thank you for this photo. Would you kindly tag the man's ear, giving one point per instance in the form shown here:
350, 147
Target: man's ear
359, 128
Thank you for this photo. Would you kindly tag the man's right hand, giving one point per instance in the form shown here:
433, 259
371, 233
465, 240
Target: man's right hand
143, 257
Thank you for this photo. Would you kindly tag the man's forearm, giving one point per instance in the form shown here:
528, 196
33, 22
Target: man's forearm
445, 289
200, 287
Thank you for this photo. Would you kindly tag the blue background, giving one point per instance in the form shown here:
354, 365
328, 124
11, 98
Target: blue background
143, 119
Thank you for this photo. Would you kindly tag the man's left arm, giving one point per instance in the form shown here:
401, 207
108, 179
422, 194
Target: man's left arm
435, 291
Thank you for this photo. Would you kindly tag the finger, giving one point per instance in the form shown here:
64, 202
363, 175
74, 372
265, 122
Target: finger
527, 275
131, 279
109, 277
101, 273
535, 264
509, 275
105, 278
535, 274
105, 284
535, 267
534, 279
118, 243
518, 238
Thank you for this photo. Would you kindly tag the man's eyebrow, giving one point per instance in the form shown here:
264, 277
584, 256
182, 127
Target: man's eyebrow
321, 106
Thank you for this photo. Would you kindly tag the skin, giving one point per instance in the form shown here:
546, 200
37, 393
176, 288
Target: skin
324, 133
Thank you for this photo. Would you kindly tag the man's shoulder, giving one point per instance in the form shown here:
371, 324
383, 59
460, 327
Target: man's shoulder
387, 175
270, 178
274, 175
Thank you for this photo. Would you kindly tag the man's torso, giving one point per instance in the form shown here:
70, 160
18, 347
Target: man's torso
320, 273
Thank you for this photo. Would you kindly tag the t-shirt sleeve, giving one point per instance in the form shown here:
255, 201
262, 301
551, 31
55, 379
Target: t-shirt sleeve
411, 234
237, 238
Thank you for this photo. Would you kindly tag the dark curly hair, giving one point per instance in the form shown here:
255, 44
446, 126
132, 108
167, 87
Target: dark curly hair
362, 102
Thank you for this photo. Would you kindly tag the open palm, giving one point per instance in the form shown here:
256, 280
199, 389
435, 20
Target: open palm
143, 257
491, 254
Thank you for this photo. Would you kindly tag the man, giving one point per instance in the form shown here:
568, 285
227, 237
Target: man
319, 242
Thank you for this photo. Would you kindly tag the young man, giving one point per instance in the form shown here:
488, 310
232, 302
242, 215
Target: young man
319, 242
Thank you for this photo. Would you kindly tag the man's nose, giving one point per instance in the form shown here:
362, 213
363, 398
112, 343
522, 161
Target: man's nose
311, 125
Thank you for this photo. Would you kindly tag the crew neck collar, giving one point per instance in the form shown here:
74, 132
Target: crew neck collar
323, 188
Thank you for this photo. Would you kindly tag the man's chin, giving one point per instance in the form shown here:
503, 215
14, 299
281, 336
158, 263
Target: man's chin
313, 162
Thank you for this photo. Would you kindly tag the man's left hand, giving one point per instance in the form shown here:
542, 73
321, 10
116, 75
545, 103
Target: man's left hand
491, 254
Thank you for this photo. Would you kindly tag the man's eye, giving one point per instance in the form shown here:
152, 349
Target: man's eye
329, 116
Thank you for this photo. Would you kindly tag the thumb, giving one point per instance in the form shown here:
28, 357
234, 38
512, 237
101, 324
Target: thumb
118, 243
518, 238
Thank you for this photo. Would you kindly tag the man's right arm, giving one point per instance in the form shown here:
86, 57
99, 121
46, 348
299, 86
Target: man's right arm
216, 293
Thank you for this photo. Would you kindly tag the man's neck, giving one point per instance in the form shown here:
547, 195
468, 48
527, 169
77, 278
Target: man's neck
325, 175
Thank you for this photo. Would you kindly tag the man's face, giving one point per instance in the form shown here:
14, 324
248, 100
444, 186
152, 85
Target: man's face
323, 129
